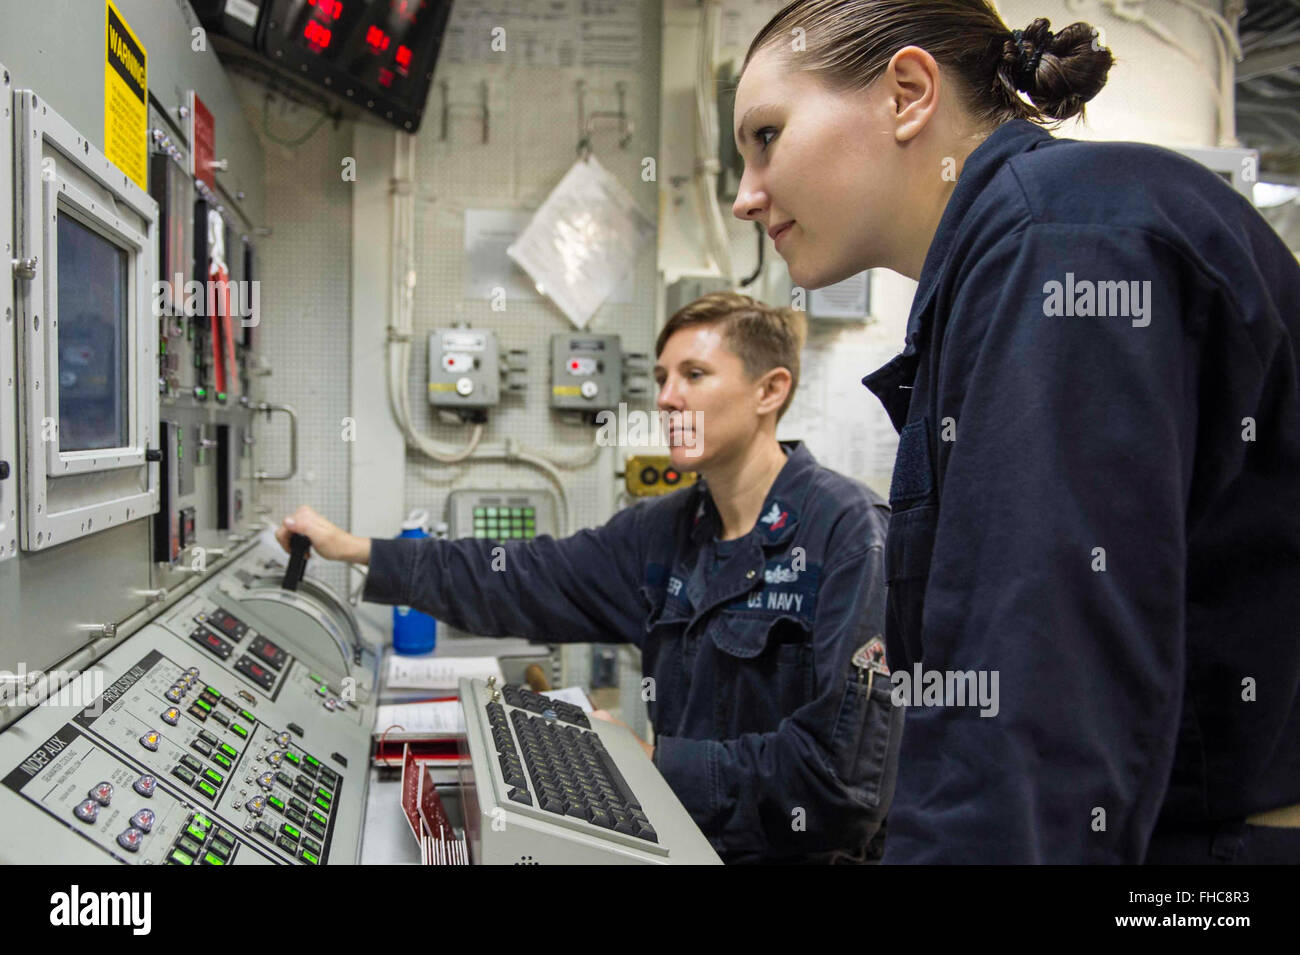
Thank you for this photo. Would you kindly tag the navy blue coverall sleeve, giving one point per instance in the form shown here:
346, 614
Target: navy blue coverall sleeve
581, 589
823, 779
1059, 555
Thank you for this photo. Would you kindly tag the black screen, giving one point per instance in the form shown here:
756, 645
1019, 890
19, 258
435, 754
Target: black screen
92, 333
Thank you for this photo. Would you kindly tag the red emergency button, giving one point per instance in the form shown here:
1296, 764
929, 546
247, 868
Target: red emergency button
145, 785
130, 840
102, 794
143, 820
87, 811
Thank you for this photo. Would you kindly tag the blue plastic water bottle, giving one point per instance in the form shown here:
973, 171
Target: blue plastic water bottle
414, 632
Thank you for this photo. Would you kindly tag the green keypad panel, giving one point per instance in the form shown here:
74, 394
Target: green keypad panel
505, 523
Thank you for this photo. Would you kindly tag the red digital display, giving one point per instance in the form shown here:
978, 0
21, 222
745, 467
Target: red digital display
379, 53
316, 35
377, 39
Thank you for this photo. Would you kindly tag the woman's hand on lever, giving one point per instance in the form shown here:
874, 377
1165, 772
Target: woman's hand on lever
328, 540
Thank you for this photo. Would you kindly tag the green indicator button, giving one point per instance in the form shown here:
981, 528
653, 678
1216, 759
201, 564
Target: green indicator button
248, 716
202, 821
222, 760
324, 804
215, 776
292, 757
211, 859
207, 707
320, 691
315, 678
290, 831
180, 858
207, 789
236, 728
311, 760
276, 802
324, 794
197, 834
319, 818
229, 750
213, 690
308, 856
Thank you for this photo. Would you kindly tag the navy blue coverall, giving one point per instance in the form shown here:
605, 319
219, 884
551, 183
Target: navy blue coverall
764, 728
1097, 496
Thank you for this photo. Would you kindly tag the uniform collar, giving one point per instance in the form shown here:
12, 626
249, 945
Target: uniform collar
781, 508
891, 383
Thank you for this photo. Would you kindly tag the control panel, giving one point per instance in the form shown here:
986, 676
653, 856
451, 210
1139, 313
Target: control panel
501, 515
212, 736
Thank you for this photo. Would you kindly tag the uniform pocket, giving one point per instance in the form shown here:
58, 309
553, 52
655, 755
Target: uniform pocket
768, 665
865, 743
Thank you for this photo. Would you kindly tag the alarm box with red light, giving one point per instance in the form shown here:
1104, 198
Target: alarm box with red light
375, 55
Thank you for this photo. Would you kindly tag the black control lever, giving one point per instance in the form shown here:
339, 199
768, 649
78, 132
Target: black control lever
299, 545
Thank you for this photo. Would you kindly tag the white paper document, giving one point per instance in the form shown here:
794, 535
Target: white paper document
438, 673
445, 716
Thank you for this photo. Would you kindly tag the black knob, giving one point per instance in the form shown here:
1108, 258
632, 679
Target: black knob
4, 470
153, 454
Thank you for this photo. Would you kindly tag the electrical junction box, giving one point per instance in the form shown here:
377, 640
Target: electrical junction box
464, 369
586, 372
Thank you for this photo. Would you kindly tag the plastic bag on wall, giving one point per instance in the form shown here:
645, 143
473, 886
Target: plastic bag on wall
583, 240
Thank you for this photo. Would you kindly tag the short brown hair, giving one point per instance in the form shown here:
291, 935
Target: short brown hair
848, 43
763, 337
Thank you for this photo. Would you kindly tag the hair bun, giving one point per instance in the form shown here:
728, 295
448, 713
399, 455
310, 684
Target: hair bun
1060, 72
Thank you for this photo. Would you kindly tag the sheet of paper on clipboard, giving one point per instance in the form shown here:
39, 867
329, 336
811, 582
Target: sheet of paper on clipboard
583, 240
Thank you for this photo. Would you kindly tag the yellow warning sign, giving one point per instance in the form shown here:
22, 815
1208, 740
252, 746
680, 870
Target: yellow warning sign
126, 111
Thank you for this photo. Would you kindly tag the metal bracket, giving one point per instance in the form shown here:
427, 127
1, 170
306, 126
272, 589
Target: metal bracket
587, 121
447, 106
268, 409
